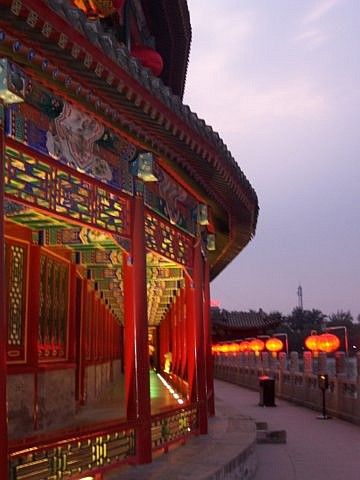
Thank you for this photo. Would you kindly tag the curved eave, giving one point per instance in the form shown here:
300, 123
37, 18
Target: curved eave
143, 109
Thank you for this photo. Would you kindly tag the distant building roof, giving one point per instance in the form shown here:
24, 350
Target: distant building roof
229, 322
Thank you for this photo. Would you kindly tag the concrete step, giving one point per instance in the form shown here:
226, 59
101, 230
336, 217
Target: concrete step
263, 435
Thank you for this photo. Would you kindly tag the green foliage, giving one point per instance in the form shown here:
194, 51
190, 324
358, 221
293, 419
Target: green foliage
340, 318
300, 323
303, 321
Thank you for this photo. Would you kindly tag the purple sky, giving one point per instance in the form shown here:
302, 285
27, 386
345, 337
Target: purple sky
280, 81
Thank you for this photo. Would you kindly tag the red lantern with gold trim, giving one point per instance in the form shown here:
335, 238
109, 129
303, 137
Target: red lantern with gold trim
312, 343
328, 343
257, 346
244, 346
274, 345
233, 347
225, 348
149, 58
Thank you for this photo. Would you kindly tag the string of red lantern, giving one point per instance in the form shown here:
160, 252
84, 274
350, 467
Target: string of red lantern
326, 342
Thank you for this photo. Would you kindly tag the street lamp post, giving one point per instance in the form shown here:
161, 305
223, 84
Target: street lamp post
346, 339
285, 336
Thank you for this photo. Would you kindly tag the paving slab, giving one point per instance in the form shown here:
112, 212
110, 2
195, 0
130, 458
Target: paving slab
227, 452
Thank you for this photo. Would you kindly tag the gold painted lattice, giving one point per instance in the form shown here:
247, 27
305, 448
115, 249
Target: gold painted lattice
16, 295
173, 427
45, 186
15, 260
71, 458
168, 241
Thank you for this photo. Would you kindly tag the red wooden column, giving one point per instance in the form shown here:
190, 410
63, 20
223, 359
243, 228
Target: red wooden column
196, 339
179, 333
164, 340
72, 313
33, 320
173, 347
3, 320
174, 334
121, 347
81, 320
190, 339
208, 342
137, 382
183, 330
157, 348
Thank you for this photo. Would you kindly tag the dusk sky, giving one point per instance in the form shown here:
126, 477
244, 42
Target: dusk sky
280, 81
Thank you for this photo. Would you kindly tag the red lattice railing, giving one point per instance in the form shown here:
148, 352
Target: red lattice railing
73, 456
173, 426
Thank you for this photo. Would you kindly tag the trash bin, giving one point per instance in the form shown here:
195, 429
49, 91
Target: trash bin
267, 391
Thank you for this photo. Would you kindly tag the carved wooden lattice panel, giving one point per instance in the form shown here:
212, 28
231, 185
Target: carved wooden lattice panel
168, 241
63, 192
15, 261
72, 457
53, 321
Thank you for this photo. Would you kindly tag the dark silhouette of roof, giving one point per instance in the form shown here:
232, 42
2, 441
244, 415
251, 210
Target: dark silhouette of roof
241, 320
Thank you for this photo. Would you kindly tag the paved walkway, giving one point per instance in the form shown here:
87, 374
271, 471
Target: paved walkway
315, 449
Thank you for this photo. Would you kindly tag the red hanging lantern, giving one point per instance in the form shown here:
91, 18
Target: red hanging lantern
312, 343
233, 347
118, 4
224, 348
95, 9
257, 346
274, 345
149, 58
328, 343
244, 346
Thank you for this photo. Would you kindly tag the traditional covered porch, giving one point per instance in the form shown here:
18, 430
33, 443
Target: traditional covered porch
119, 205
89, 312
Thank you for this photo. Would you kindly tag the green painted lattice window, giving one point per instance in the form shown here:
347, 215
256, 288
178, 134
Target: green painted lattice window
15, 279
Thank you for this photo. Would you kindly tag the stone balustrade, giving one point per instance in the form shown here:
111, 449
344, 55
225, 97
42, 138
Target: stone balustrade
299, 385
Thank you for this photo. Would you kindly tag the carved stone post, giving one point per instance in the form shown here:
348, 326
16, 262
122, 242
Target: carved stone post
251, 358
282, 360
265, 360
294, 361
323, 366
340, 363
308, 362
358, 365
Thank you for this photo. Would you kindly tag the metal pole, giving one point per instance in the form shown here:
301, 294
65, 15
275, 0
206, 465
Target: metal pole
285, 335
323, 403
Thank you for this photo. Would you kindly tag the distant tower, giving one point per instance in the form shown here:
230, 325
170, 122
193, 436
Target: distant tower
300, 297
